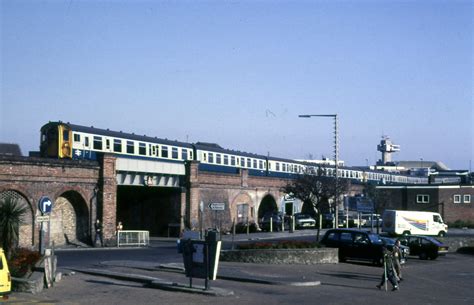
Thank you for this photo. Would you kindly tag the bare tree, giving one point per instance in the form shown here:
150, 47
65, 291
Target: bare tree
379, 198
315, 189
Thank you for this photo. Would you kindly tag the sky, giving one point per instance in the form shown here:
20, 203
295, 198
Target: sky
238, 73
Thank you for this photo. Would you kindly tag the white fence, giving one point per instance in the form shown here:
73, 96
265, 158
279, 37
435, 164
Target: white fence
133, 238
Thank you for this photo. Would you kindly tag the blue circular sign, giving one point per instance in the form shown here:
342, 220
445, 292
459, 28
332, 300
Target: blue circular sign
45, 205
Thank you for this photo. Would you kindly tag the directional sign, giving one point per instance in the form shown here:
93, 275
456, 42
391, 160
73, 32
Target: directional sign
42, 218
217, 206
45, 205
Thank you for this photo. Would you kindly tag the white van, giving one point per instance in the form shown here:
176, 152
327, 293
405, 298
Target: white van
5, 278
413, 222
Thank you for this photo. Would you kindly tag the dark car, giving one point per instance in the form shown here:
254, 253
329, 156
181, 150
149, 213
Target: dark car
355, 244
276, 220
424, 246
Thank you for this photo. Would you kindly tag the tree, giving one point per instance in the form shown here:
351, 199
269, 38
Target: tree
379, 198
11, 214
316, 189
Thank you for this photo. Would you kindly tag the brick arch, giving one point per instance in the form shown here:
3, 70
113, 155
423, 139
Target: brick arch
70, 217
267, 204
26, 228
241, 198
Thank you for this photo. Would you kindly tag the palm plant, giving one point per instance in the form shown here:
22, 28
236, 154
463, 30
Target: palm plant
11, 214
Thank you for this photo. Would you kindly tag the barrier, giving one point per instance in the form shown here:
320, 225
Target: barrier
133, 238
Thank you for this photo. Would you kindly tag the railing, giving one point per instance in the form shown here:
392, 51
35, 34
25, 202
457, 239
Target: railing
133, 238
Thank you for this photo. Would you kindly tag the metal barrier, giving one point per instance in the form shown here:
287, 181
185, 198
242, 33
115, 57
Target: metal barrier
133, 238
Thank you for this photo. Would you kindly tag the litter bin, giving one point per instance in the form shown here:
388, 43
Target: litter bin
212, 235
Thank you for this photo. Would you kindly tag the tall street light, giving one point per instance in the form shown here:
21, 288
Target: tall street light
336, 160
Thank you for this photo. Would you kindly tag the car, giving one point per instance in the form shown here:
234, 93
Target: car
304, 221
355, 244
5, 277
424, 246
404, 250
276, 220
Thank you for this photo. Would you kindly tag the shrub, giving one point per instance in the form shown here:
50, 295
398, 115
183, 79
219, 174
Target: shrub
461, 224
23, 261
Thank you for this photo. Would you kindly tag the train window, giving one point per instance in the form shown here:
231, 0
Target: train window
86, 141
218, 158
65, 135
260, 164
117, 145
130, 147
97, 143
184, 154
190, 155
211, 158
226, 159
77, 137
174, 153
254, 163
283, 167
142, 149
249, 163
232, 160
157, 152
107, 144
277, 166
164, 151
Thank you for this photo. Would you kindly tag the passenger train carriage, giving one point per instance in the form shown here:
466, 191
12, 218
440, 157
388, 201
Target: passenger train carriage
65, 140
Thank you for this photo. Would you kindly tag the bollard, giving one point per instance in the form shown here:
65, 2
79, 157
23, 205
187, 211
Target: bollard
271, 224
292, 224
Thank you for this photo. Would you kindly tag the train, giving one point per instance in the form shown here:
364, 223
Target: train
70, 141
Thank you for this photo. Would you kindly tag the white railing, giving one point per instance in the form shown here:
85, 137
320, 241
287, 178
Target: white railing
133, 238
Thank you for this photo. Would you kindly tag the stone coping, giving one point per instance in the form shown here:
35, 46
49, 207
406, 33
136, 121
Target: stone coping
309, 256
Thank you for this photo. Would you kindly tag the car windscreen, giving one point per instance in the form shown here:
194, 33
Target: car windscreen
434, 240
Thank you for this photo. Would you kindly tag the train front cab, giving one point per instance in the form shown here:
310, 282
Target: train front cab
56, 141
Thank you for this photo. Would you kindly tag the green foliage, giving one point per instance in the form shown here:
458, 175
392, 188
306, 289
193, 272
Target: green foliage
461, 224
286, 244
23, 261
11, 214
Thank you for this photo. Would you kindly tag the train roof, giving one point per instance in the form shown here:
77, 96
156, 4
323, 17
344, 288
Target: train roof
120, 134
218, 149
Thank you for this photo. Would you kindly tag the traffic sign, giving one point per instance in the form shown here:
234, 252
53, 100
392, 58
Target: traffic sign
42, 218
217, 206
45, 205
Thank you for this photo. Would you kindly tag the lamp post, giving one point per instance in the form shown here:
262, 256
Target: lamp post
336, 160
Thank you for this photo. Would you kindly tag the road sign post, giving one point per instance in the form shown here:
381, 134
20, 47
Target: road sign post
45, 205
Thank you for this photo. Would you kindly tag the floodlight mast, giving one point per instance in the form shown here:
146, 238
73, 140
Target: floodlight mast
336, 161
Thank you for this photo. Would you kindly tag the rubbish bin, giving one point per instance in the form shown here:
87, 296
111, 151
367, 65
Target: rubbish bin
212, 235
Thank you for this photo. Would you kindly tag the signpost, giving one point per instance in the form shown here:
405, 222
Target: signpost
217, 206
45, 205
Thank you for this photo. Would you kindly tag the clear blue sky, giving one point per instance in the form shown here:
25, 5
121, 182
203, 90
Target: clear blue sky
239, 73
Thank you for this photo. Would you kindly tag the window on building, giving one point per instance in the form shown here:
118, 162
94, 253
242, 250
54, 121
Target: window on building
130, 147
164, 151
467, 199
142, 148
422, 198
117, 145
77, 137
174, 153
97, 143
242, 212
457, 198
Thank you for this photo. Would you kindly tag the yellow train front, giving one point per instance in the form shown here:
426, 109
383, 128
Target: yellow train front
56, 140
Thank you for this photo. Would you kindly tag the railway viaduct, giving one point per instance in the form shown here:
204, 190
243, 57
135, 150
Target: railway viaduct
83, 191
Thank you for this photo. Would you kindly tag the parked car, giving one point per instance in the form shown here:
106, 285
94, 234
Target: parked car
424, 246
355, 244
304, 221
276, 220
5, 277
405, 250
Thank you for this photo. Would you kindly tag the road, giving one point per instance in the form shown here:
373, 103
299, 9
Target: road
447, 280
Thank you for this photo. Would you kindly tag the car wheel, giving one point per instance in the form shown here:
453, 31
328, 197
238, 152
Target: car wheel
405, 233
423, 255
442, 234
